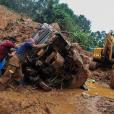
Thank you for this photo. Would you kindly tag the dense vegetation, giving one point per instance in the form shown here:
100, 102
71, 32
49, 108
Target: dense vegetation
52, 11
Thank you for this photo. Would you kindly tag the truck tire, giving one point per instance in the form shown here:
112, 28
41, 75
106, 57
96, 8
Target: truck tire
79, 79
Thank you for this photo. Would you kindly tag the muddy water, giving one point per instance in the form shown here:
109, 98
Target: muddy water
67, 101
99, 89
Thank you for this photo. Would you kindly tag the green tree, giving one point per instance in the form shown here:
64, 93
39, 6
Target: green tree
84, 23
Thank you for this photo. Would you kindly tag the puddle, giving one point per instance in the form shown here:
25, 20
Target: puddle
99, 89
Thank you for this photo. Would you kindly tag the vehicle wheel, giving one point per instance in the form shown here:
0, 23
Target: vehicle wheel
79, 79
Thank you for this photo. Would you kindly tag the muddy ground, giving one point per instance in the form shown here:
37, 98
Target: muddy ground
28, 101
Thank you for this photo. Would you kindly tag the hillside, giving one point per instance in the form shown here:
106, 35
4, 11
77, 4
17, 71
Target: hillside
7, 16
16, 25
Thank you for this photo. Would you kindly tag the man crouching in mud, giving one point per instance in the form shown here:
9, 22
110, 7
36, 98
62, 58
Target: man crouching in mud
15, 62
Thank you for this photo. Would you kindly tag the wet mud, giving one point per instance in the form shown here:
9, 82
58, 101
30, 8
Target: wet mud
67, 101
98, 88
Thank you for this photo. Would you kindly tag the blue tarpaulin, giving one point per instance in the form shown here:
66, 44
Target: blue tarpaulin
2, 65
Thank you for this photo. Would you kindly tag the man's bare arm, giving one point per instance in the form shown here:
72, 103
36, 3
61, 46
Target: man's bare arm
39, 45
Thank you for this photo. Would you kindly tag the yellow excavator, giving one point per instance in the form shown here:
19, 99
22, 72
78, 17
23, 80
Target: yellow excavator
104, 57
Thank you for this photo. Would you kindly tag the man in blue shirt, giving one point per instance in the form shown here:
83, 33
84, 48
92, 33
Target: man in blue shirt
14, 66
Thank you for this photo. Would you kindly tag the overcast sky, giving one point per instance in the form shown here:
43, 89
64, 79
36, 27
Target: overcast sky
99, 12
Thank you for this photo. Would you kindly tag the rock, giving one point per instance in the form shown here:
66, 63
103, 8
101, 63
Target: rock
85, 95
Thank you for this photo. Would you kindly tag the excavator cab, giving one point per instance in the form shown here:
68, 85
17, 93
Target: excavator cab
97, 54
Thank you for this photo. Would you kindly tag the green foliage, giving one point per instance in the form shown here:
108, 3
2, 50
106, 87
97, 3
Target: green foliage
99, 37
51, 11
84, 23
83, 38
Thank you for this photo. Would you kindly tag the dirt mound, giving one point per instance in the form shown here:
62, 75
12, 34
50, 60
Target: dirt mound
84, 54
21, 29
13, 24
6, 16
106, 106
102, 75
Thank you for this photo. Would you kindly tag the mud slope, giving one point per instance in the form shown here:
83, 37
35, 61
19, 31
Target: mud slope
7, 16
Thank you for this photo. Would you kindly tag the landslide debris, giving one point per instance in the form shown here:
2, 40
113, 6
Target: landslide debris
6, 16
29, 101
23, 28
13, 24
102, 75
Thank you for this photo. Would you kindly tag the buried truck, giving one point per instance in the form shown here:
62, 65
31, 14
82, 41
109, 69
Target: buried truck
57, 65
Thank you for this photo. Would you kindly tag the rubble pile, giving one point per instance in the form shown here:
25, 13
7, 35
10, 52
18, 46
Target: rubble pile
21, 29
16, 25
6, 16
102, 75
56, 57
86, 56
12, 24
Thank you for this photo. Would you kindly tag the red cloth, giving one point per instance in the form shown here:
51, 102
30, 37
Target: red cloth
5, 48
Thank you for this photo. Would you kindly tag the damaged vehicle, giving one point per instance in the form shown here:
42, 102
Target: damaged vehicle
55, 66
